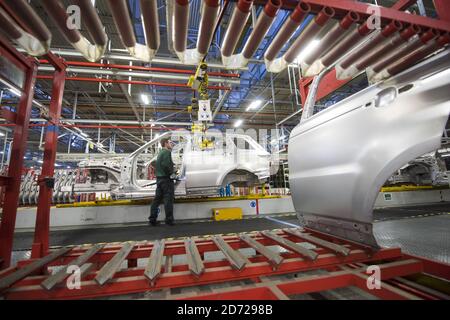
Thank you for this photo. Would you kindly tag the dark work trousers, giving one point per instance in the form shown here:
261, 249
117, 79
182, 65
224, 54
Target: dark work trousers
165, 193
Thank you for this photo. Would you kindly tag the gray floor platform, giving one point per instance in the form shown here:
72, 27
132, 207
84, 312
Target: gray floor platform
419, 230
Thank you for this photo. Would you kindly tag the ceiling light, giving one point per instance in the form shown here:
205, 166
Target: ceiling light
308, 50
254, 105
238, 123
11, 88
145, 99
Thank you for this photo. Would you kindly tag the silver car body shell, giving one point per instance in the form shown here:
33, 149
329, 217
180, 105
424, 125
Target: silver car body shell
202, 172
340, 158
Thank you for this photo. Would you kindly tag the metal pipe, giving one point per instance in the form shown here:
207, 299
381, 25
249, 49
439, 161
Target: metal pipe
223, 98
308, 107
141, 68
338, 31
405, 50
409, 60
387, 31
92, 52
29, 42
210, 11
389, 46
135, 74
122, 20
122, 57
9, 27
92, 22
289, 27
149, 16
236, 26
26, 16
181, 21
345, 44
107, 121
145, 83
262, 25
310, 31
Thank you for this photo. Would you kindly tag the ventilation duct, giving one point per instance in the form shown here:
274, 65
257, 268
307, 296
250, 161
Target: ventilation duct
37, 41
57, 12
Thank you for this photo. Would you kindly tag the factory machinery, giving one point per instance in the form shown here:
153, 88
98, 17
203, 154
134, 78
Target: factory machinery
337, 237
95, 179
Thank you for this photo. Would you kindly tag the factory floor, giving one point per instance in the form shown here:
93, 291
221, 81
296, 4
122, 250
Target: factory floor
419, 230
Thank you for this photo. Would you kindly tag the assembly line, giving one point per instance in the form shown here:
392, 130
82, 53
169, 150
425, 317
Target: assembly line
224, 149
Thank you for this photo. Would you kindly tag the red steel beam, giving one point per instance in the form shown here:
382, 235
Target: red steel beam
19, 145
139, 283
329, 83
41, 234
140, 68
442, 9
145, 83
342, 7
402, 5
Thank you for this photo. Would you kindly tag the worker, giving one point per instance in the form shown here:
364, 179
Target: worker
165, 188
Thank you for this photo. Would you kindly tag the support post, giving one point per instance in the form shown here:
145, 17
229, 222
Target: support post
41, 234
19, 145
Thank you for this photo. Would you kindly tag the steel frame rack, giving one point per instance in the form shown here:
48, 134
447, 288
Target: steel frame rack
101, 273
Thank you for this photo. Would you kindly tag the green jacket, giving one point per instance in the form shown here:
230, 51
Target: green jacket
164, 163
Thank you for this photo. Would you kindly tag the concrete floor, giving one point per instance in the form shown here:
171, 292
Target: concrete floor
419, 230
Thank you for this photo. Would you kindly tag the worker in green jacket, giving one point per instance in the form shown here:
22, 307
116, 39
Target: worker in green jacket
165, 187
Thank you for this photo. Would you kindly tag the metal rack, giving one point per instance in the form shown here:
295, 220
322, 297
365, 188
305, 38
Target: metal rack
101, 273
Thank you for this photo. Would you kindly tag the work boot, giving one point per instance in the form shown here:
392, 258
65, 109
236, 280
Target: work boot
153, 223
170, 222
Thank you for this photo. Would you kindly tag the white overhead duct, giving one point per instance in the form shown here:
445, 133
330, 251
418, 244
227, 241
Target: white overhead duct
122, 20
236, 27
178, 15
37, 42
92, 52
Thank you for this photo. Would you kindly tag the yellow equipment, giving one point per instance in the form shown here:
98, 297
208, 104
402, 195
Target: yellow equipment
227, 214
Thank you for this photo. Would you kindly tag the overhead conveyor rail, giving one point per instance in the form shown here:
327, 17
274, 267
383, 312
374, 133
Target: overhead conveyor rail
102, 273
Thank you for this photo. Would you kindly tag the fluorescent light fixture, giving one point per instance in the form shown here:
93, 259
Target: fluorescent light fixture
446, 155
38, 104
13, 90
145, 99
308, 50
40, 161
68, 167
238, 123
254, 105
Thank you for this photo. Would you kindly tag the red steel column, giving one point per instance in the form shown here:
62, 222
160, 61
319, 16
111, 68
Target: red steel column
19, 146
41, 234
442, 9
